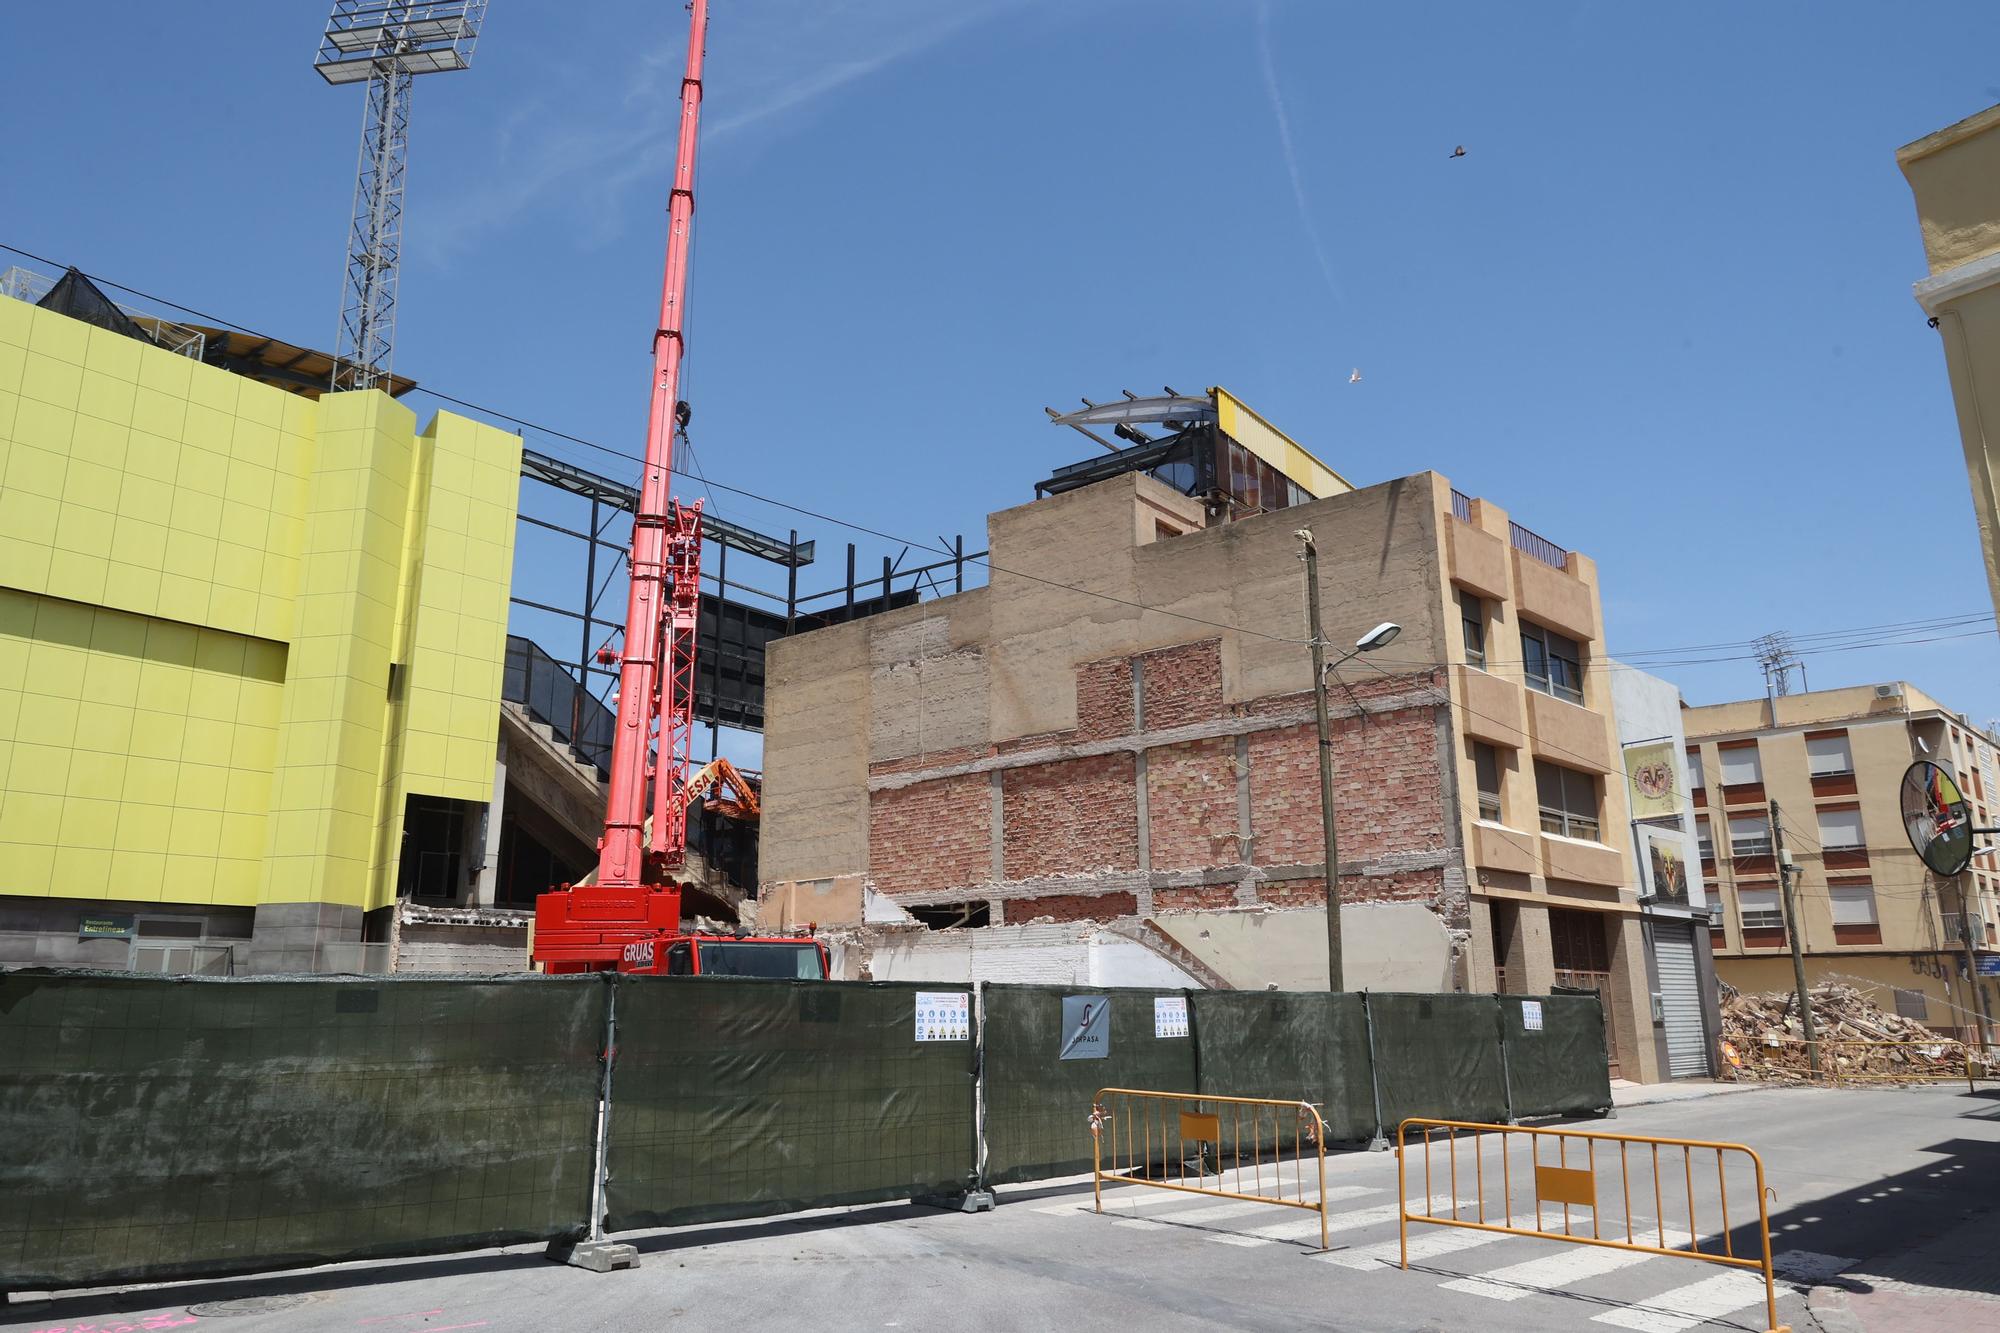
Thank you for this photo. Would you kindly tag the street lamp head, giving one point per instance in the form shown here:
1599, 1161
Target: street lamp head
1377, 637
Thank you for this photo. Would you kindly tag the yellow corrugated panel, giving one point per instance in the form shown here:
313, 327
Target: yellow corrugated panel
1241, 423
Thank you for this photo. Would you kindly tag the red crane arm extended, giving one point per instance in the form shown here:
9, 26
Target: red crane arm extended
656, 676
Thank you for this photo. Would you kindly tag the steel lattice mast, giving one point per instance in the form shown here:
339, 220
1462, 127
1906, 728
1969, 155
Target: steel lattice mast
387, 43
656, 673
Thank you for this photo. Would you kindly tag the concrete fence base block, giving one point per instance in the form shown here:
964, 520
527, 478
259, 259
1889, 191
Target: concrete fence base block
599, 1256
1380, 1143
972, 1201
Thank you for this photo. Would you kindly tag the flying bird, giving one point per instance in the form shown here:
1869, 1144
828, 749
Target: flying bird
1355, 378
1458, 151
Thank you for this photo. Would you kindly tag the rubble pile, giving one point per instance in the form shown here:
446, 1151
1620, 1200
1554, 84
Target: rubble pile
1763, 1039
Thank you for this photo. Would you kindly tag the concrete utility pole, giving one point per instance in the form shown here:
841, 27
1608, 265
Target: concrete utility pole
1971, 959
1788, 877
1310, 554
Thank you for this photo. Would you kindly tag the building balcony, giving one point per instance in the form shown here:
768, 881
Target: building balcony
1478, 560
1554, 597
1490, 707
1511, 850
1568, 734
1581, 862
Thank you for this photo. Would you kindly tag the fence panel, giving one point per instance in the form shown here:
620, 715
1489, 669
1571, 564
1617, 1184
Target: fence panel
1558, 1067
1439, 1056
1308, 1046
743, 1098
1037, 1101
162, 1128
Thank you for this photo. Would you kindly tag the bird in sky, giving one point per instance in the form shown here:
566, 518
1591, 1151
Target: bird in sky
1355, 378
1458, 151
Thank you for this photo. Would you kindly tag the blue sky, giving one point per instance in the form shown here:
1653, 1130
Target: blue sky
1660, 311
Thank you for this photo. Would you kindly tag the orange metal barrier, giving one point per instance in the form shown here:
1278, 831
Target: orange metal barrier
1577, 1187
1167, 1126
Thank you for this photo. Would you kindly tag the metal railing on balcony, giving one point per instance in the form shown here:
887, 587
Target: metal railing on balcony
1538, 546
553, 698
1461, 505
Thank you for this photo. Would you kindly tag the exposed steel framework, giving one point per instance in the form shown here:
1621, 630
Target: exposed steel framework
656, 673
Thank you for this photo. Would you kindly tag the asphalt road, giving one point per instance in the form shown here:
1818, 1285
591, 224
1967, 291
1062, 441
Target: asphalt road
1857, 1174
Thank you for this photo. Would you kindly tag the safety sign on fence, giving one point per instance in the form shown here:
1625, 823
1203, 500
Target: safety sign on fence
1531, 1015
944, 1016
1086, 1027
1170, 1016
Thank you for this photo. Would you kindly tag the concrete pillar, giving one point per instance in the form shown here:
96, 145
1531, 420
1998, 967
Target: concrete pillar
1630, 1000
483, 837
1531, 955
1479, 962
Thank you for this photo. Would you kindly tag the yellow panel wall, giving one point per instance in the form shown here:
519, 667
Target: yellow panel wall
245, 565
135, 754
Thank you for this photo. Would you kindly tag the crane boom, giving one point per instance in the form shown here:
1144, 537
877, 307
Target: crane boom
656, 673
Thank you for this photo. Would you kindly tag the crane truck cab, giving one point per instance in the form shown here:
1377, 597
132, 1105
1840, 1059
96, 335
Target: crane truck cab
793, 957
586, 928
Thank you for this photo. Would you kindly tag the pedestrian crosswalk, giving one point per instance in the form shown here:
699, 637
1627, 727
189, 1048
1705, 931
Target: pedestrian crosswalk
1627, 1289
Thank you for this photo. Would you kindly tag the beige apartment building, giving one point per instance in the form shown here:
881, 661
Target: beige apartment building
1118, 730
1955, 176
1870, 913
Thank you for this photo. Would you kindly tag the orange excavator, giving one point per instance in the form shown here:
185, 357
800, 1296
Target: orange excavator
626, 915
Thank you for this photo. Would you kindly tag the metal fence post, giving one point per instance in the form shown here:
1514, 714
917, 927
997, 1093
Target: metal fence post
594, 1252
1380, 1143
1506, 1069
979, 1085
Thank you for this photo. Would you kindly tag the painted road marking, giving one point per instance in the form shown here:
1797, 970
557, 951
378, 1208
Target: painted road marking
1684, 1307
1433, 1242
1551, 1272
1302, 1228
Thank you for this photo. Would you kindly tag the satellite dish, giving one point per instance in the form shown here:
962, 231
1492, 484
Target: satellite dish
1936, 818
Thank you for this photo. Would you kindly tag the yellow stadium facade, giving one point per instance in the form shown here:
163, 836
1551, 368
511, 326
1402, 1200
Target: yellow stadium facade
239, 629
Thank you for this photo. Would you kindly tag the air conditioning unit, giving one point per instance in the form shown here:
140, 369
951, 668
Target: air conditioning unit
1888, 691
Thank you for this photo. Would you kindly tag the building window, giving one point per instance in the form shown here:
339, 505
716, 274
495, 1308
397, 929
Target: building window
1912, 1004
1703, 840
1740, 765
1554, 663
1853, 903
1568, 799
1472, 618
1486, 764
1829, 754
1749, 835
1695, 781
1840, 829
1758, 909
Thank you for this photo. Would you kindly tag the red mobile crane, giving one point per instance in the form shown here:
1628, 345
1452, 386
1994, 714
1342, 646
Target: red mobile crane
630, 919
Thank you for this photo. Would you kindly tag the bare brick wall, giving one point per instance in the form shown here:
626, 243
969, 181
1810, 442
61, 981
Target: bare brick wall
1104, 698
1182, 684
1198, 898
1073, 907
1387, 788
931, 835
1071, 816
1191, 804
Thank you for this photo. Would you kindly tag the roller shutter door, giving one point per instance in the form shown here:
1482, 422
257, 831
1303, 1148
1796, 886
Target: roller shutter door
1680, 997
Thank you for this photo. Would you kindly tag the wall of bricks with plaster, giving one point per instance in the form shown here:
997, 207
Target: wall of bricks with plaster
1230, 817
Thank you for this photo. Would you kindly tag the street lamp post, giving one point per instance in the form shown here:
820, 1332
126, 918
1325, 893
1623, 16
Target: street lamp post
1373, 639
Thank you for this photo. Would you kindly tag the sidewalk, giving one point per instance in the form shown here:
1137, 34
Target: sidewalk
1948, 1280
1625, 1093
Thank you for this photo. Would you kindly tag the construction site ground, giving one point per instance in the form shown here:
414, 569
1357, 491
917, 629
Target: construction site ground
1871, 1183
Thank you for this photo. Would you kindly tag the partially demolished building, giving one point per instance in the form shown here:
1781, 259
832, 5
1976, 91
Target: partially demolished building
1101, 766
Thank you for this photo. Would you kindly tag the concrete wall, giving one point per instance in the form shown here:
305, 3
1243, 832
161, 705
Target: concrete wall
1385, 946
1056, 954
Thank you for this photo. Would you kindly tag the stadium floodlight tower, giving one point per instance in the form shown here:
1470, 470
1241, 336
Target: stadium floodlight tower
386, 44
